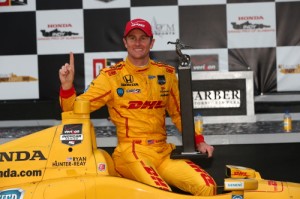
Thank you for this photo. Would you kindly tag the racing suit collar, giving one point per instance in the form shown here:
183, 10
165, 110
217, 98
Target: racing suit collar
137, 69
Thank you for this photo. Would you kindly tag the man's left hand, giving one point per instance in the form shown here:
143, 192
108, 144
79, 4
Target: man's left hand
202, 147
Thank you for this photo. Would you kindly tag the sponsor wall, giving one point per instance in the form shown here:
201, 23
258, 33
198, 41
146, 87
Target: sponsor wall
225, 35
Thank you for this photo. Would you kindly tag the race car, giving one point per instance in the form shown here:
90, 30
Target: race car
64, 162
248, 25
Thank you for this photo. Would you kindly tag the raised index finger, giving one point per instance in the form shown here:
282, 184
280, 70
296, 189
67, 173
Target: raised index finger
71, 61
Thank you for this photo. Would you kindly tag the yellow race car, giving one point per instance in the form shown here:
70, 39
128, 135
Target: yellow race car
64, 162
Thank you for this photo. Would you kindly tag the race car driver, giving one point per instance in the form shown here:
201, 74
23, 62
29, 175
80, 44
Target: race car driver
138, 92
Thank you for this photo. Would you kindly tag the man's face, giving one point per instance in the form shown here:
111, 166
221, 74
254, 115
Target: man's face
138, 45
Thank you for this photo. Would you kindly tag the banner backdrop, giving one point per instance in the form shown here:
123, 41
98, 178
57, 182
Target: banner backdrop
225, 35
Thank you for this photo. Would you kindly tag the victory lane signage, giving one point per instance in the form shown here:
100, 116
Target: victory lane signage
72, 134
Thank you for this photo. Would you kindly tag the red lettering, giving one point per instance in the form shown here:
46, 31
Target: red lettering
159, 105
160, 182
59, 25
135, 104
247, 18
110, 73
150, 171
240, 173
169, 70
145, 105
207, 178
149, 104
156, 178
273, 183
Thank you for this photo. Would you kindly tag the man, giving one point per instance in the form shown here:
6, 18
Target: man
138, 92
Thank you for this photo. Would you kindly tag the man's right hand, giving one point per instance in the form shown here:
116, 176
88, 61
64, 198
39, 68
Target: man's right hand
66, 74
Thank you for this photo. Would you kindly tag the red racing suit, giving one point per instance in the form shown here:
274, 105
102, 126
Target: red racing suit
137, 99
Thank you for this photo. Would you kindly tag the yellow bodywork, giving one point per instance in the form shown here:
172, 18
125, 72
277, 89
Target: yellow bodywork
63, 162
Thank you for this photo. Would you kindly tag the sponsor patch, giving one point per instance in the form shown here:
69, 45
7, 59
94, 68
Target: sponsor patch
137, 90
72, 134
163, 92
101, 166
161, 80
234, 185
144, 105
120, 91
128, 79
151, 77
